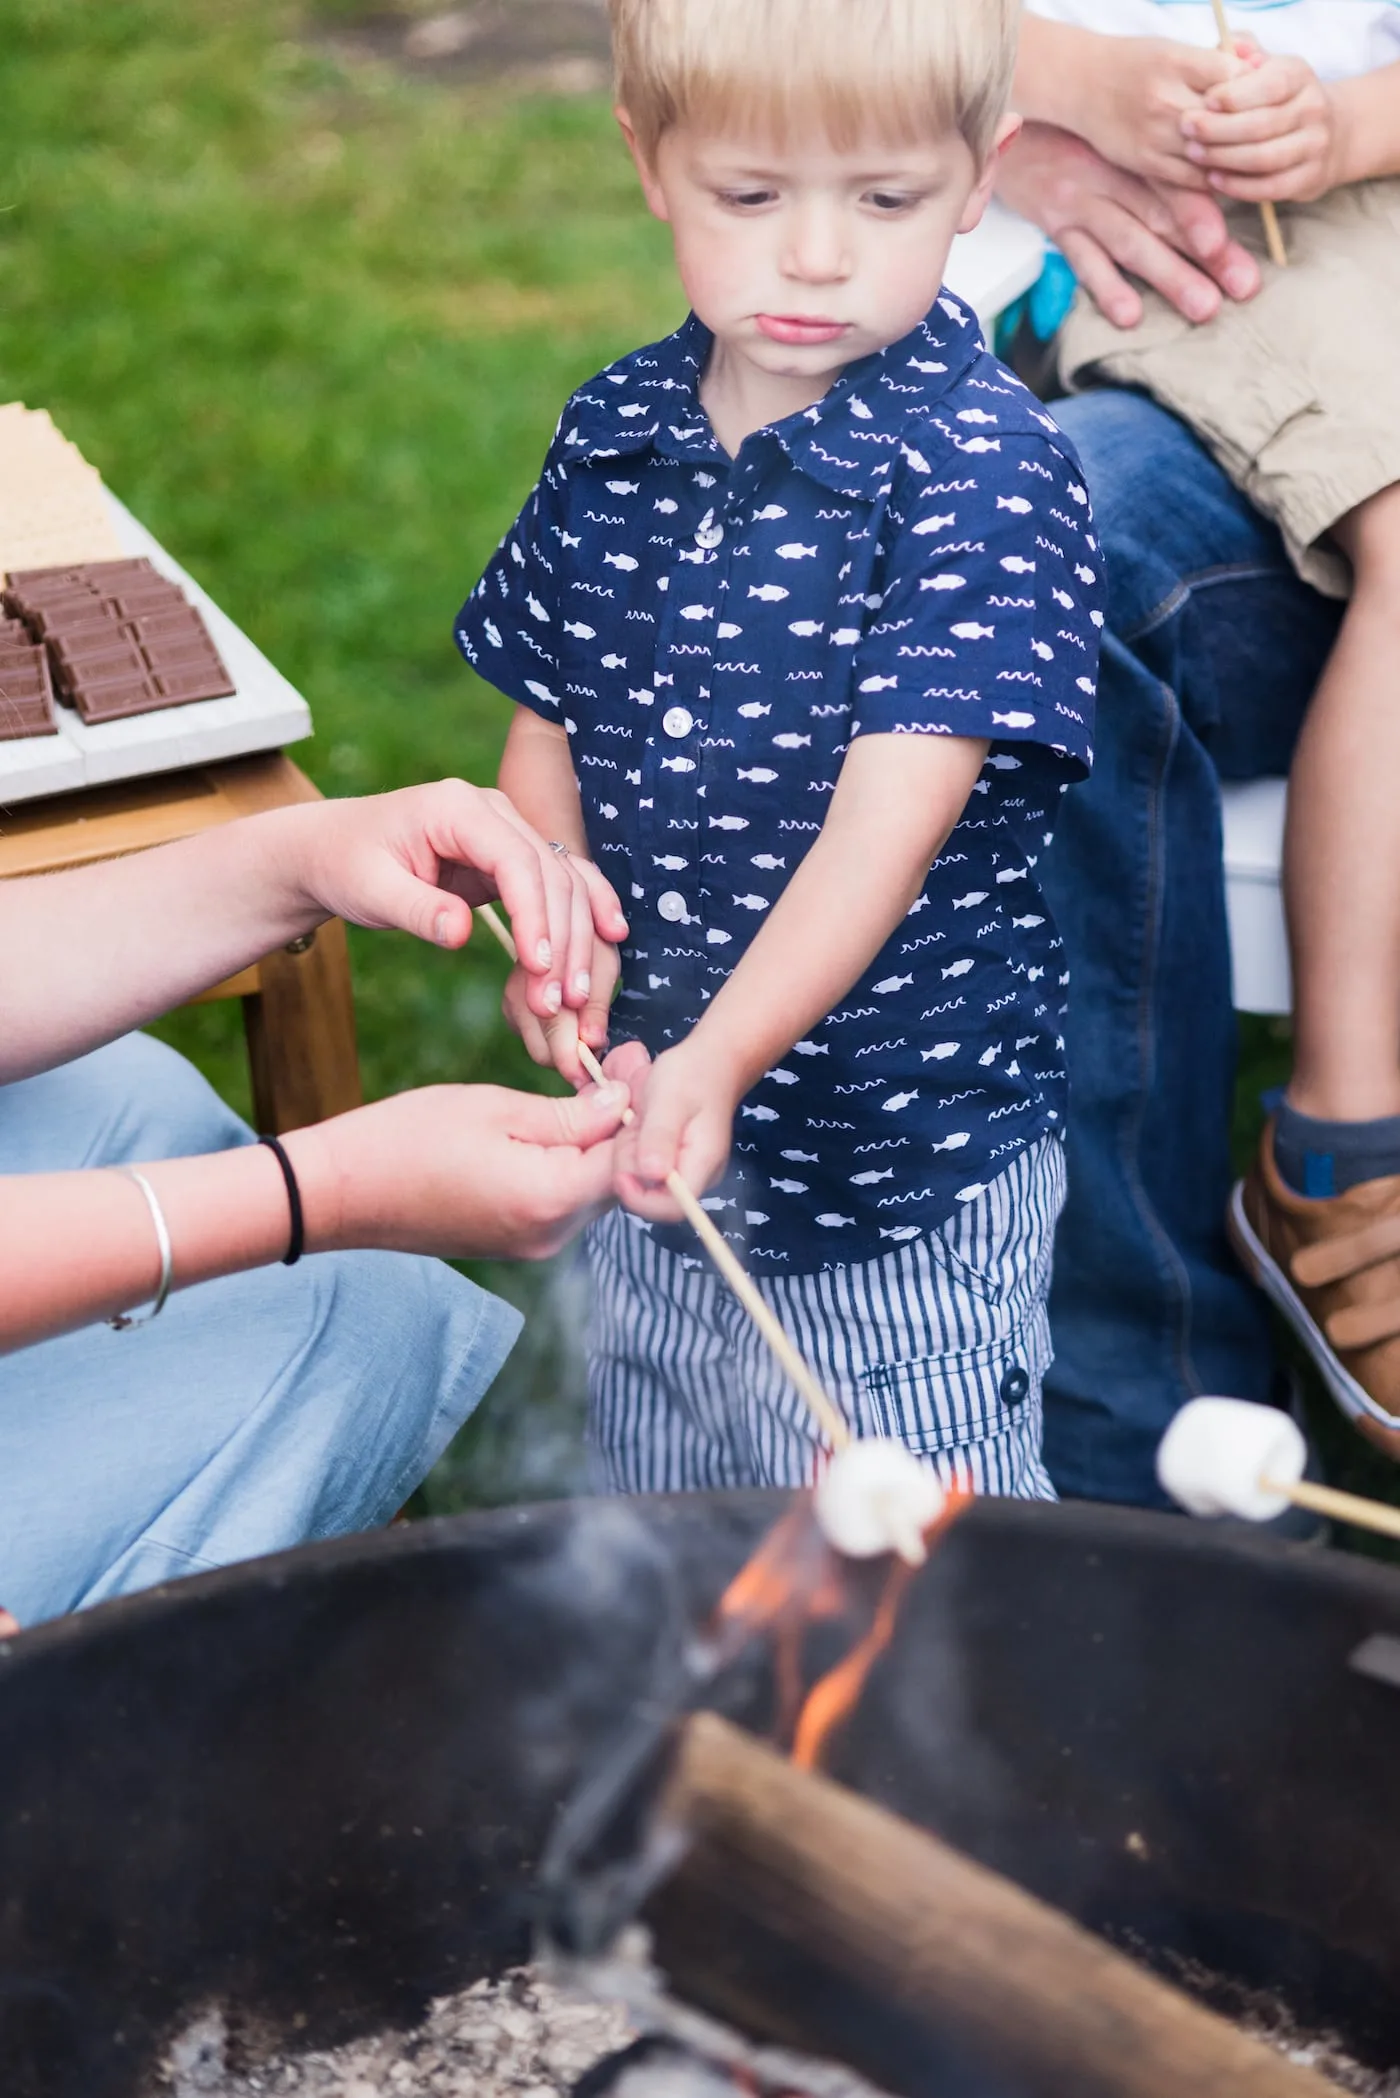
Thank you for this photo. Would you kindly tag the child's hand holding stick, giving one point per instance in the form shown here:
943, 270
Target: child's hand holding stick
1273, 232
822, 1407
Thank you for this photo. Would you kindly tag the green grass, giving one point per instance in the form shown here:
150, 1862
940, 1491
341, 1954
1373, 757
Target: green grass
315, 324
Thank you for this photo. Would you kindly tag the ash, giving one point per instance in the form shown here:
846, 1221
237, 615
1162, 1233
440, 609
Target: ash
519, 2037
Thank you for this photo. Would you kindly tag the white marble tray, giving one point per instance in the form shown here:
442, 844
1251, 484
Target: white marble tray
264, 713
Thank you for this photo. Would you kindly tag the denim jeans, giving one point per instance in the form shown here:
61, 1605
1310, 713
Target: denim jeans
256, 1412
1211, 651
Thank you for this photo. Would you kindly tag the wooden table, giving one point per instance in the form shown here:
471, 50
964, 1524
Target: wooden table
298, 1008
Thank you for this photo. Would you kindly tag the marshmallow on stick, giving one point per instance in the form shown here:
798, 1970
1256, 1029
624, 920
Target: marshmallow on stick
1227, 1457
875, 1496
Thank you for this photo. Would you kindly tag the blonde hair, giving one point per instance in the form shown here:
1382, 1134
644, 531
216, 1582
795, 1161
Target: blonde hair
902, 69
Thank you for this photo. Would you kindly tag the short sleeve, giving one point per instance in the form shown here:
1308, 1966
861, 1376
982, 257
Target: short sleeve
508, 626
992, 607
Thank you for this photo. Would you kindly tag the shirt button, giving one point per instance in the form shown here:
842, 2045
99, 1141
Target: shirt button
709, 534
678, 721
1015, 1386
671, 905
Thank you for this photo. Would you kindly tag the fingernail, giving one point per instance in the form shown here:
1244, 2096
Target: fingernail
612, 1095
1202, 241
1199, 305
543, 953
582, 983
440, 928
1195, 152
1239, 283
553, 997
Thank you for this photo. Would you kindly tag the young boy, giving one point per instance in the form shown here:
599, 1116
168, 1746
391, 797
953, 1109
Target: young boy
1296, 392
801, 623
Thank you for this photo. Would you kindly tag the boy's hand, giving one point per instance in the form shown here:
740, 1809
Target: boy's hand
554, 1039
1143, 87
684, 1105
1272, 133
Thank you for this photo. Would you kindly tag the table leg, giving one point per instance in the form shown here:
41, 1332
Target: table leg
300, 1028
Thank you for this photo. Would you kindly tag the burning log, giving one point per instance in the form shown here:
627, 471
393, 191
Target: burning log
810, 1917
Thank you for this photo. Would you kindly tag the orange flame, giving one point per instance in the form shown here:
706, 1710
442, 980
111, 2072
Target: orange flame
792, 1581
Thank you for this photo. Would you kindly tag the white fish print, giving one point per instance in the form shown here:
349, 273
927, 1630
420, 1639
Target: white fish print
789, 1187
754, 709
898, 1101
957, 1142
769, 593
761, 1114
831, 1222
889, 984
758, 775
940, 1052
794, 550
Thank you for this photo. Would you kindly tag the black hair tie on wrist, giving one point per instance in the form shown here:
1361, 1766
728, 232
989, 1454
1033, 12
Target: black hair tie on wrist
296, 1245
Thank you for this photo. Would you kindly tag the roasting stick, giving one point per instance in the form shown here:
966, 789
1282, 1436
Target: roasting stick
722, 1254
1350, 1508
1273, 232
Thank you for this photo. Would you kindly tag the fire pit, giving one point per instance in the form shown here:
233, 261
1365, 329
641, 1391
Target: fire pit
313, 1793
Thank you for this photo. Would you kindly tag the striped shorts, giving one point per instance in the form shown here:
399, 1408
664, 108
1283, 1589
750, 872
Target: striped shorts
942, 1344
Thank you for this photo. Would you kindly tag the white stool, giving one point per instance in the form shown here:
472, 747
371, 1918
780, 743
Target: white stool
1253, 814
994, 264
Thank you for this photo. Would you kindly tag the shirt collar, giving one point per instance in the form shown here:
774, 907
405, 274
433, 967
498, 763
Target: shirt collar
849, 441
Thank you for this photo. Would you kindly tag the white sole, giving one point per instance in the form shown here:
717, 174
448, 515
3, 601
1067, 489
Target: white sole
1349, 1396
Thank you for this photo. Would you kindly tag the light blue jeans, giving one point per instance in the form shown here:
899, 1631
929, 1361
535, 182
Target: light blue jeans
256, 1412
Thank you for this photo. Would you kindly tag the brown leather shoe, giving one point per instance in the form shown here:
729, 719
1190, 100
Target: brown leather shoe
1333, 1269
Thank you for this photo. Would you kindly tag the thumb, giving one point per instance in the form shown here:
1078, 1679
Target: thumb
400, 899
580, 1119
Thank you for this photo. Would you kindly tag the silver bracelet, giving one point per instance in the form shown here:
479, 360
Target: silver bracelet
124, 1320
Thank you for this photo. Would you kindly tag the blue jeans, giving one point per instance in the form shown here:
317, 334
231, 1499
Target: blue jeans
256, 1412
1211, 651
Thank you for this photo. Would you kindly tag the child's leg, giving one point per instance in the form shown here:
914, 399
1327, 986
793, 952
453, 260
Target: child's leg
662, 1379
942, 1345
1342, 870
1317, 1220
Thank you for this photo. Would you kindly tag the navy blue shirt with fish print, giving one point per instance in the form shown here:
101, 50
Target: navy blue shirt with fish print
912, 556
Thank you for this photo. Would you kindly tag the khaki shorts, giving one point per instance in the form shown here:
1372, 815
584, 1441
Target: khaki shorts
1297, 392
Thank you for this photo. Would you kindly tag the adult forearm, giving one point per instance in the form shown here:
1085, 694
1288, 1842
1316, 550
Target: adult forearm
78, 1247
98, 950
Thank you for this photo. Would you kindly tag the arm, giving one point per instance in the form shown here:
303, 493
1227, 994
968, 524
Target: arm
454, 1170
89, 954
537, 776
1125, 95
1277, 133
896, 803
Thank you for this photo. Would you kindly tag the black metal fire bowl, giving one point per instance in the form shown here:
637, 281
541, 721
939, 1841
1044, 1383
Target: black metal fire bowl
315, 1789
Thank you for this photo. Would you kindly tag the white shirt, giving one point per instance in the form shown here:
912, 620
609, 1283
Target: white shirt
1338, 38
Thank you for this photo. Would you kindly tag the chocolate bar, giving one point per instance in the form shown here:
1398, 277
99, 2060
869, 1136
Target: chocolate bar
26, 694
121, 638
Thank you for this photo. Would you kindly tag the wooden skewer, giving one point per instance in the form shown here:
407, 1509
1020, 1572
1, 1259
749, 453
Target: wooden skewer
1342, 1507
822, 1407
1273, 232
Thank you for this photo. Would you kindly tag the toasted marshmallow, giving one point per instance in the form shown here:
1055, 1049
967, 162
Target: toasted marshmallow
876, 1496
1218, 1453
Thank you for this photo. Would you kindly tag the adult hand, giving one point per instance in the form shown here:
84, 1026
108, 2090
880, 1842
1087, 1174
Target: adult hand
460, 1171
420, 859
554, 1041
1271, 132
8, 1625
1106, 221
684, 1109
1134, 95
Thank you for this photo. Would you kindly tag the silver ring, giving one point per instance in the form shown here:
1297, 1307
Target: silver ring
556, 846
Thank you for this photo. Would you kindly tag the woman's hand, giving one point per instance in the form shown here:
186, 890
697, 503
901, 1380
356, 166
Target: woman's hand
1107, 222
554, 1040
684, 1105
460, 1171
420, 859
1273, 132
